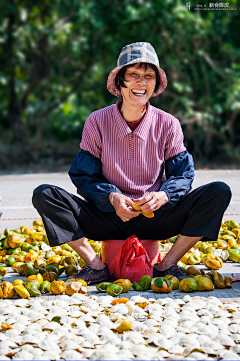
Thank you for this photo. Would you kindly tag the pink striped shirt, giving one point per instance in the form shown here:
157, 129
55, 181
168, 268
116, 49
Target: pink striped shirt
133, 160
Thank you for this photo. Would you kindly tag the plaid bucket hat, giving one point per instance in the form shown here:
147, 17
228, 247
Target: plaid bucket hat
140, 52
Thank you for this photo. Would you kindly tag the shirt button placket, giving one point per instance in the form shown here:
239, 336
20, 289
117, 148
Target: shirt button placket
131, 146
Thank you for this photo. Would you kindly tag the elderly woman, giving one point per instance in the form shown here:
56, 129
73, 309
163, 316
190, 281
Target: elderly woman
132, 152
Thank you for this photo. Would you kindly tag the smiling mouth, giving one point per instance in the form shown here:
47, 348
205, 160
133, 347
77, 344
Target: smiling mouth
139, 92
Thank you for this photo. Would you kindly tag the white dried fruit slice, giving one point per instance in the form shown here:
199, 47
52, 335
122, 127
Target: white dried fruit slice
229, 355
49, 344
51, 355
69, 345
71, 355
22, 355
28, 339
4, 351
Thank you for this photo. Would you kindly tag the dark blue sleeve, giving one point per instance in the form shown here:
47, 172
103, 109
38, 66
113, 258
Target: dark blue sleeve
179, 171
86, 175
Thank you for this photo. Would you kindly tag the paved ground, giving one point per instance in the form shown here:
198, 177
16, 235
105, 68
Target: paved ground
17, 210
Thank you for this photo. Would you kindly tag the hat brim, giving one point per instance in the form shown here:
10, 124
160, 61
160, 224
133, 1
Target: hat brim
111, 86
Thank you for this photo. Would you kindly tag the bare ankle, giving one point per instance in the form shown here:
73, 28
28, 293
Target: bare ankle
96, 263
163, 266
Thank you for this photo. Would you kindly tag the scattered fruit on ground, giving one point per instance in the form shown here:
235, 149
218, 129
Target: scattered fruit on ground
145, 282
174, 281
212, 261
204, 283
161, 284
126, 284
114, 290
188, 285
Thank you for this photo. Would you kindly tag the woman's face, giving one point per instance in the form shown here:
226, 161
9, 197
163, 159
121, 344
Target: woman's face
140, 84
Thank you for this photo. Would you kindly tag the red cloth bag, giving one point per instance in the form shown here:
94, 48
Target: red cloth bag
132, 261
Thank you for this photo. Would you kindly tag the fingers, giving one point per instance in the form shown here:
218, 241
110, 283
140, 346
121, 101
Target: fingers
125, 212
141, 201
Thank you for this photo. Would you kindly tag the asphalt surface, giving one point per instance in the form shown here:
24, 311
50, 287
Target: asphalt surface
16, 191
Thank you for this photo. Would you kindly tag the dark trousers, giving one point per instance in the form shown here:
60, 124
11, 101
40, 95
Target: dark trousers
67, 218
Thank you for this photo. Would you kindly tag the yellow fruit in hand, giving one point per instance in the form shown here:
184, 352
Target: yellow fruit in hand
136, 208
148, 215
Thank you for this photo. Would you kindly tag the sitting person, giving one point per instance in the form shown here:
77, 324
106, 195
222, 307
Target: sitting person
132, 152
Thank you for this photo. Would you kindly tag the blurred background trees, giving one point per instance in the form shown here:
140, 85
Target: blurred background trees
56, 56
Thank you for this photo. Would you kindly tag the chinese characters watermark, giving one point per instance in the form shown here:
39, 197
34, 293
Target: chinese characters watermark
211, 6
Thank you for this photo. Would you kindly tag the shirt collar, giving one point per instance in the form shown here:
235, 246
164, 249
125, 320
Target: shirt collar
123, 129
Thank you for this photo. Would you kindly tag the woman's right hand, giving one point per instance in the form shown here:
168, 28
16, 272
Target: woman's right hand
123, 207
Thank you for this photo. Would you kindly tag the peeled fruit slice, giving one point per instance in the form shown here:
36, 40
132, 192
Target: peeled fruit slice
188, 285
184, 259
228, 282
7, 290
160, 284
84, 283
148, 215
232, 242
218, 279
174, 281
222, 245
57, 287
6, 326
142, 304
14, 240
193, 259
120, 300
40, 263
125, 325
236, 231
212, 261
135, 207
75, 287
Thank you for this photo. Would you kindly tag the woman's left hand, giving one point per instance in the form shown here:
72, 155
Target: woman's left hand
152, 201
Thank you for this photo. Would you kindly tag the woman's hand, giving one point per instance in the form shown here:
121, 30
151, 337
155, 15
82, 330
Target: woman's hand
123, 207
152, 201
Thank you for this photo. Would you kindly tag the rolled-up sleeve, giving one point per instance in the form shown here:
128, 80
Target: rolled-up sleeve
179, 171
86, 175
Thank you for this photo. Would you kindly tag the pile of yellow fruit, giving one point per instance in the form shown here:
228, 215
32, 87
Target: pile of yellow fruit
212, 253
27, 251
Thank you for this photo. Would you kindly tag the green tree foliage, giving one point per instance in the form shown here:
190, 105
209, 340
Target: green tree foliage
56, 56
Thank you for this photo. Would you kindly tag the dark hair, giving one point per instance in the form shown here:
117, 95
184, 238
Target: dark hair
119, 79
